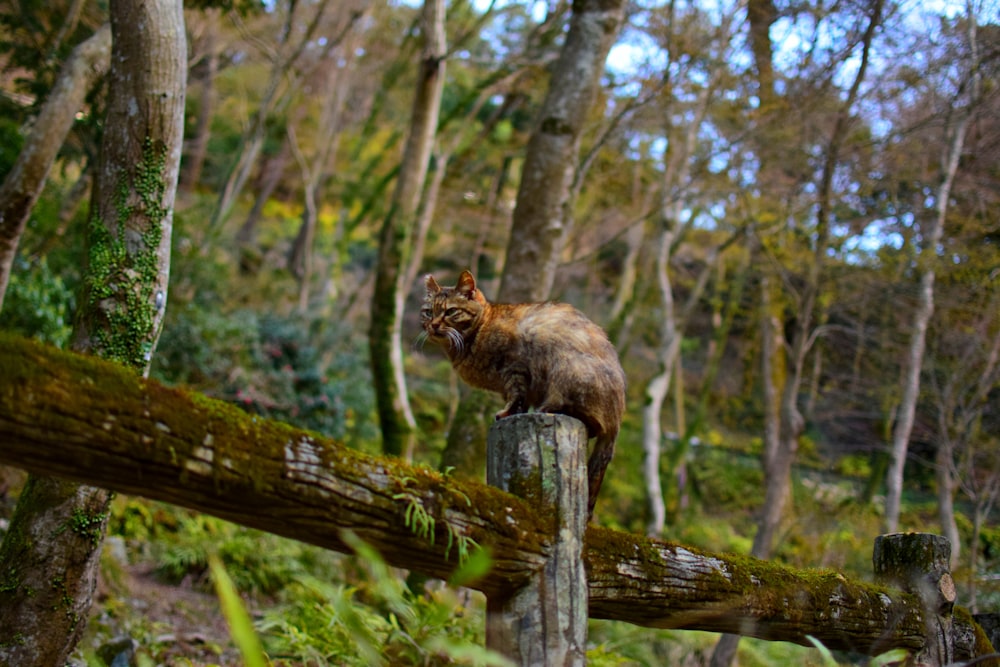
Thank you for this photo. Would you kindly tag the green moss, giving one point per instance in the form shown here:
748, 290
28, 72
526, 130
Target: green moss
64, 602
88, 526
983, 646
121, 281
25, 361
10, 580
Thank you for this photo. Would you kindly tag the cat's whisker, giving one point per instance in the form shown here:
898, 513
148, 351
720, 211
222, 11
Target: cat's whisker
456, 340
418, 342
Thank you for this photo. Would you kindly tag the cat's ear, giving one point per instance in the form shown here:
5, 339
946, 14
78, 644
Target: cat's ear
431, 284
466, 285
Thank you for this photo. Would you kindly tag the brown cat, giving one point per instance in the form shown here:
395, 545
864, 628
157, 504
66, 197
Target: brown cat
546, 356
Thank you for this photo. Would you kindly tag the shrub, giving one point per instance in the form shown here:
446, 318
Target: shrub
38, 303
311, 374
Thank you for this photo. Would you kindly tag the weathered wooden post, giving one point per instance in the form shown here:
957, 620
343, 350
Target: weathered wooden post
542, 458
918, 563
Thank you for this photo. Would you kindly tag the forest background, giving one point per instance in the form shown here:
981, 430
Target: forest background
784, 214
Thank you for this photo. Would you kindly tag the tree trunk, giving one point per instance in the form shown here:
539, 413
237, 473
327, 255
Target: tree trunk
675, 177
918, 327
326, 140
49, 559
139, 437
271, 170
197, 145
123, 302
23, 184
48, 582
539, 227
274, 98
773, 372
783, 430
125, 288
947, 485
300, 258
656, 389
385, 334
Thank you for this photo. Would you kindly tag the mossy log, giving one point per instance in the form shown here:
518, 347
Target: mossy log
93, 421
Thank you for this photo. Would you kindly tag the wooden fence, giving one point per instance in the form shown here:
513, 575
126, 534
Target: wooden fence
91, 421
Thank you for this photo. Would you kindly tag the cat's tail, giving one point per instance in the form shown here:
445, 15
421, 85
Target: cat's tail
597, 465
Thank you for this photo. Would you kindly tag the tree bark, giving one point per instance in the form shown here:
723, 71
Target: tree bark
139, 437
48, 569
385, 333
56, 533
921, 319
125, 289
23, 184
540, 223
657, 387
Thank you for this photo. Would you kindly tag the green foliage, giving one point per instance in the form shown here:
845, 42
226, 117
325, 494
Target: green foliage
258, 563
38, 303
88, 526
307, 373
854, 465
181, 543
825, 654
702, 531
237, 617
726, 479
374, 620
613, 644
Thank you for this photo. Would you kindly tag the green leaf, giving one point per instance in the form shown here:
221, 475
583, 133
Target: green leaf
897, 655
240, 625
474, 567
828, 658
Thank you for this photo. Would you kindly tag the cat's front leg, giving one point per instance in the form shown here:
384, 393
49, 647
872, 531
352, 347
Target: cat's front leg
515, 390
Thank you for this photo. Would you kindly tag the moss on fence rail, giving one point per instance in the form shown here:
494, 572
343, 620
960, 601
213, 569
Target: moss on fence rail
96, 422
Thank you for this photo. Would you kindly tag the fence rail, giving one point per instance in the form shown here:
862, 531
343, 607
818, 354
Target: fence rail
91, 421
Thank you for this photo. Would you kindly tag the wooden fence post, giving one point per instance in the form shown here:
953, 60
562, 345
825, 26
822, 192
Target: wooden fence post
542, 458
918, 563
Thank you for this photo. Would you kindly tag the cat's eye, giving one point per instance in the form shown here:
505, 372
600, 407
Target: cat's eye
451, 312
